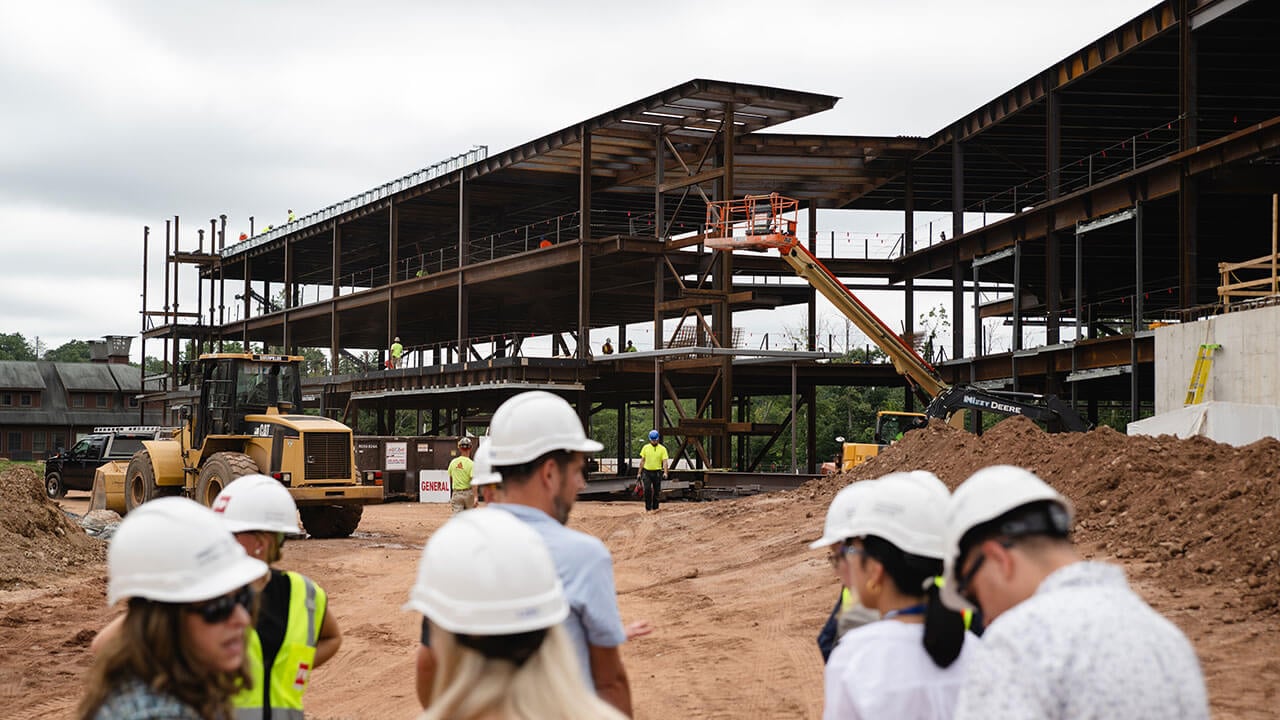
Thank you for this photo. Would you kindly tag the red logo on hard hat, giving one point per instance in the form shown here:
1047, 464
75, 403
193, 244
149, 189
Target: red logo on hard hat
220, 504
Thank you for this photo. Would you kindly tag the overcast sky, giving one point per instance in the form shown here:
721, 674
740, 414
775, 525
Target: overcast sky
122, 114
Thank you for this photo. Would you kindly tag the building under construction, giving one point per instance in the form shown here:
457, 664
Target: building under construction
1099, 197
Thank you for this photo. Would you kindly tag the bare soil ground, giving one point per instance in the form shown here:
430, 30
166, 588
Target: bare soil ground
735, 596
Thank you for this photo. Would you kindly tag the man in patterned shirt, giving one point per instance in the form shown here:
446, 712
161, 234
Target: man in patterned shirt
1065, 638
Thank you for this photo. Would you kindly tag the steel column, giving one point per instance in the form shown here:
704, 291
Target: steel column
659, 170
1135, 402
142, 373
392, 238
286, 339
909, 284
1017, 296
813, 293
957, 229
464, 230
1188, 191
335, 267
584, 248
721, 454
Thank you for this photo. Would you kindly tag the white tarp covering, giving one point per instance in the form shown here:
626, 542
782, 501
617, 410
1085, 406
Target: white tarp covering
1225, 422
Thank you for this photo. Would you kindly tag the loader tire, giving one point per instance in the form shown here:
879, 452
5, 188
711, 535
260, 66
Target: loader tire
140, 481
330, 521
219, 471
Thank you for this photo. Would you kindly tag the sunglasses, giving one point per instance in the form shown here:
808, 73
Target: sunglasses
964, 584
834, 558
219, 609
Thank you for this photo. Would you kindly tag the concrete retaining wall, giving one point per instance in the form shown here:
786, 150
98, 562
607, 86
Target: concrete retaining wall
1245, 370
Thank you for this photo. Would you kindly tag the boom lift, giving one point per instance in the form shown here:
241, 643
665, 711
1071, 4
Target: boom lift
248, 420
761, 222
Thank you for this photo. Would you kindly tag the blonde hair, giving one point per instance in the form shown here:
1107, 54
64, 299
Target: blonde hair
152, 648
547, 686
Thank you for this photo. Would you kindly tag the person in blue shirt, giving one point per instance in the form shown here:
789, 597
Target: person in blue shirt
538, 445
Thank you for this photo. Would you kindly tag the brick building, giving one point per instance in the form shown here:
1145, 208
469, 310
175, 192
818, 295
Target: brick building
46, 405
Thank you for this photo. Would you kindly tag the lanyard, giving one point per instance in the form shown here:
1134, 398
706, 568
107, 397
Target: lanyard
912, 610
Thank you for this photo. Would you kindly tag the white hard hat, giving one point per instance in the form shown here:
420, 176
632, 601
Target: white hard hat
986, 495
929, 482
838, 512
178, 551
482, 472
257, 502
902, 511
534, 423
487, 573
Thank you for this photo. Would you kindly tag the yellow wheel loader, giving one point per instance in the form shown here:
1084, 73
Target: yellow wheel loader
248, 420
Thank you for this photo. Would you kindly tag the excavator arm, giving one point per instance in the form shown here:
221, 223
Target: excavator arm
1056, 415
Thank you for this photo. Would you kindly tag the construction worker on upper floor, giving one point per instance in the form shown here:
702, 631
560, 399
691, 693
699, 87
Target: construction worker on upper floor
630, 347
397, 350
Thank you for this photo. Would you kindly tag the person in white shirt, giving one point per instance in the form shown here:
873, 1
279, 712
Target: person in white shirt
911, 663
1066, 638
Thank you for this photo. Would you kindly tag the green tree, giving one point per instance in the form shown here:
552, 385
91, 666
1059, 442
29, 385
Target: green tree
15, 347
71, 351
935, 328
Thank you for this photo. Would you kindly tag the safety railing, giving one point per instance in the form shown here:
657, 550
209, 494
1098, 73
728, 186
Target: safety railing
1116, 159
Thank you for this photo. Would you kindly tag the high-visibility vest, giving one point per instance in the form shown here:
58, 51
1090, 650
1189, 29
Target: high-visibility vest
291, 670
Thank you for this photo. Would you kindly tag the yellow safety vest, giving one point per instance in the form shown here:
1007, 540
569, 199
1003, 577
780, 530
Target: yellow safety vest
292, 668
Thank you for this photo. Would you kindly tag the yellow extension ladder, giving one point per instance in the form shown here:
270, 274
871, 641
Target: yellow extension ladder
1200, 374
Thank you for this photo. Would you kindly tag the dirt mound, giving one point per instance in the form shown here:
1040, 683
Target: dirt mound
1199, 512
37, 539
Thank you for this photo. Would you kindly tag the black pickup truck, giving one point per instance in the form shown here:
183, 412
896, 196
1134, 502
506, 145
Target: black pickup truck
73, 469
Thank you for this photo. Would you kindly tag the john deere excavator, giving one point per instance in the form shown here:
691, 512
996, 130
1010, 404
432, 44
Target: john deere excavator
763, 222
248, 420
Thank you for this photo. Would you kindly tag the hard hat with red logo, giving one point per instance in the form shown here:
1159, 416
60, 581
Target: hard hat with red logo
257, 503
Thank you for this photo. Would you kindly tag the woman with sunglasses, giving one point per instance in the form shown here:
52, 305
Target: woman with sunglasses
295, 631
179, 651
912, 662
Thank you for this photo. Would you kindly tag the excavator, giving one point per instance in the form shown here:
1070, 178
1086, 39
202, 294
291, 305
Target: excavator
764, 222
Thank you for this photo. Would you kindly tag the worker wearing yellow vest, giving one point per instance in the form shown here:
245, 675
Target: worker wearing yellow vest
462, 496
653, 468
295, 631
396, 351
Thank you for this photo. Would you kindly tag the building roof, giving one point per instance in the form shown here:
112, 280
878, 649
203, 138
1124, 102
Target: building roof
87, 377
127, 378
20, 375
55, 379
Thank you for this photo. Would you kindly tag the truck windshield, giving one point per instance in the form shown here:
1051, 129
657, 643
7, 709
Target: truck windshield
262, 384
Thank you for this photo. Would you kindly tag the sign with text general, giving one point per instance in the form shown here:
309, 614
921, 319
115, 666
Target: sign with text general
433, 486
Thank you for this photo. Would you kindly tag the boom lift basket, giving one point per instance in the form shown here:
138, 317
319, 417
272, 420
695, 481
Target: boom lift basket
755, 222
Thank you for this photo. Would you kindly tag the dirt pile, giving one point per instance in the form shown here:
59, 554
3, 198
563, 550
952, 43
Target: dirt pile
1199, 512
37, 539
